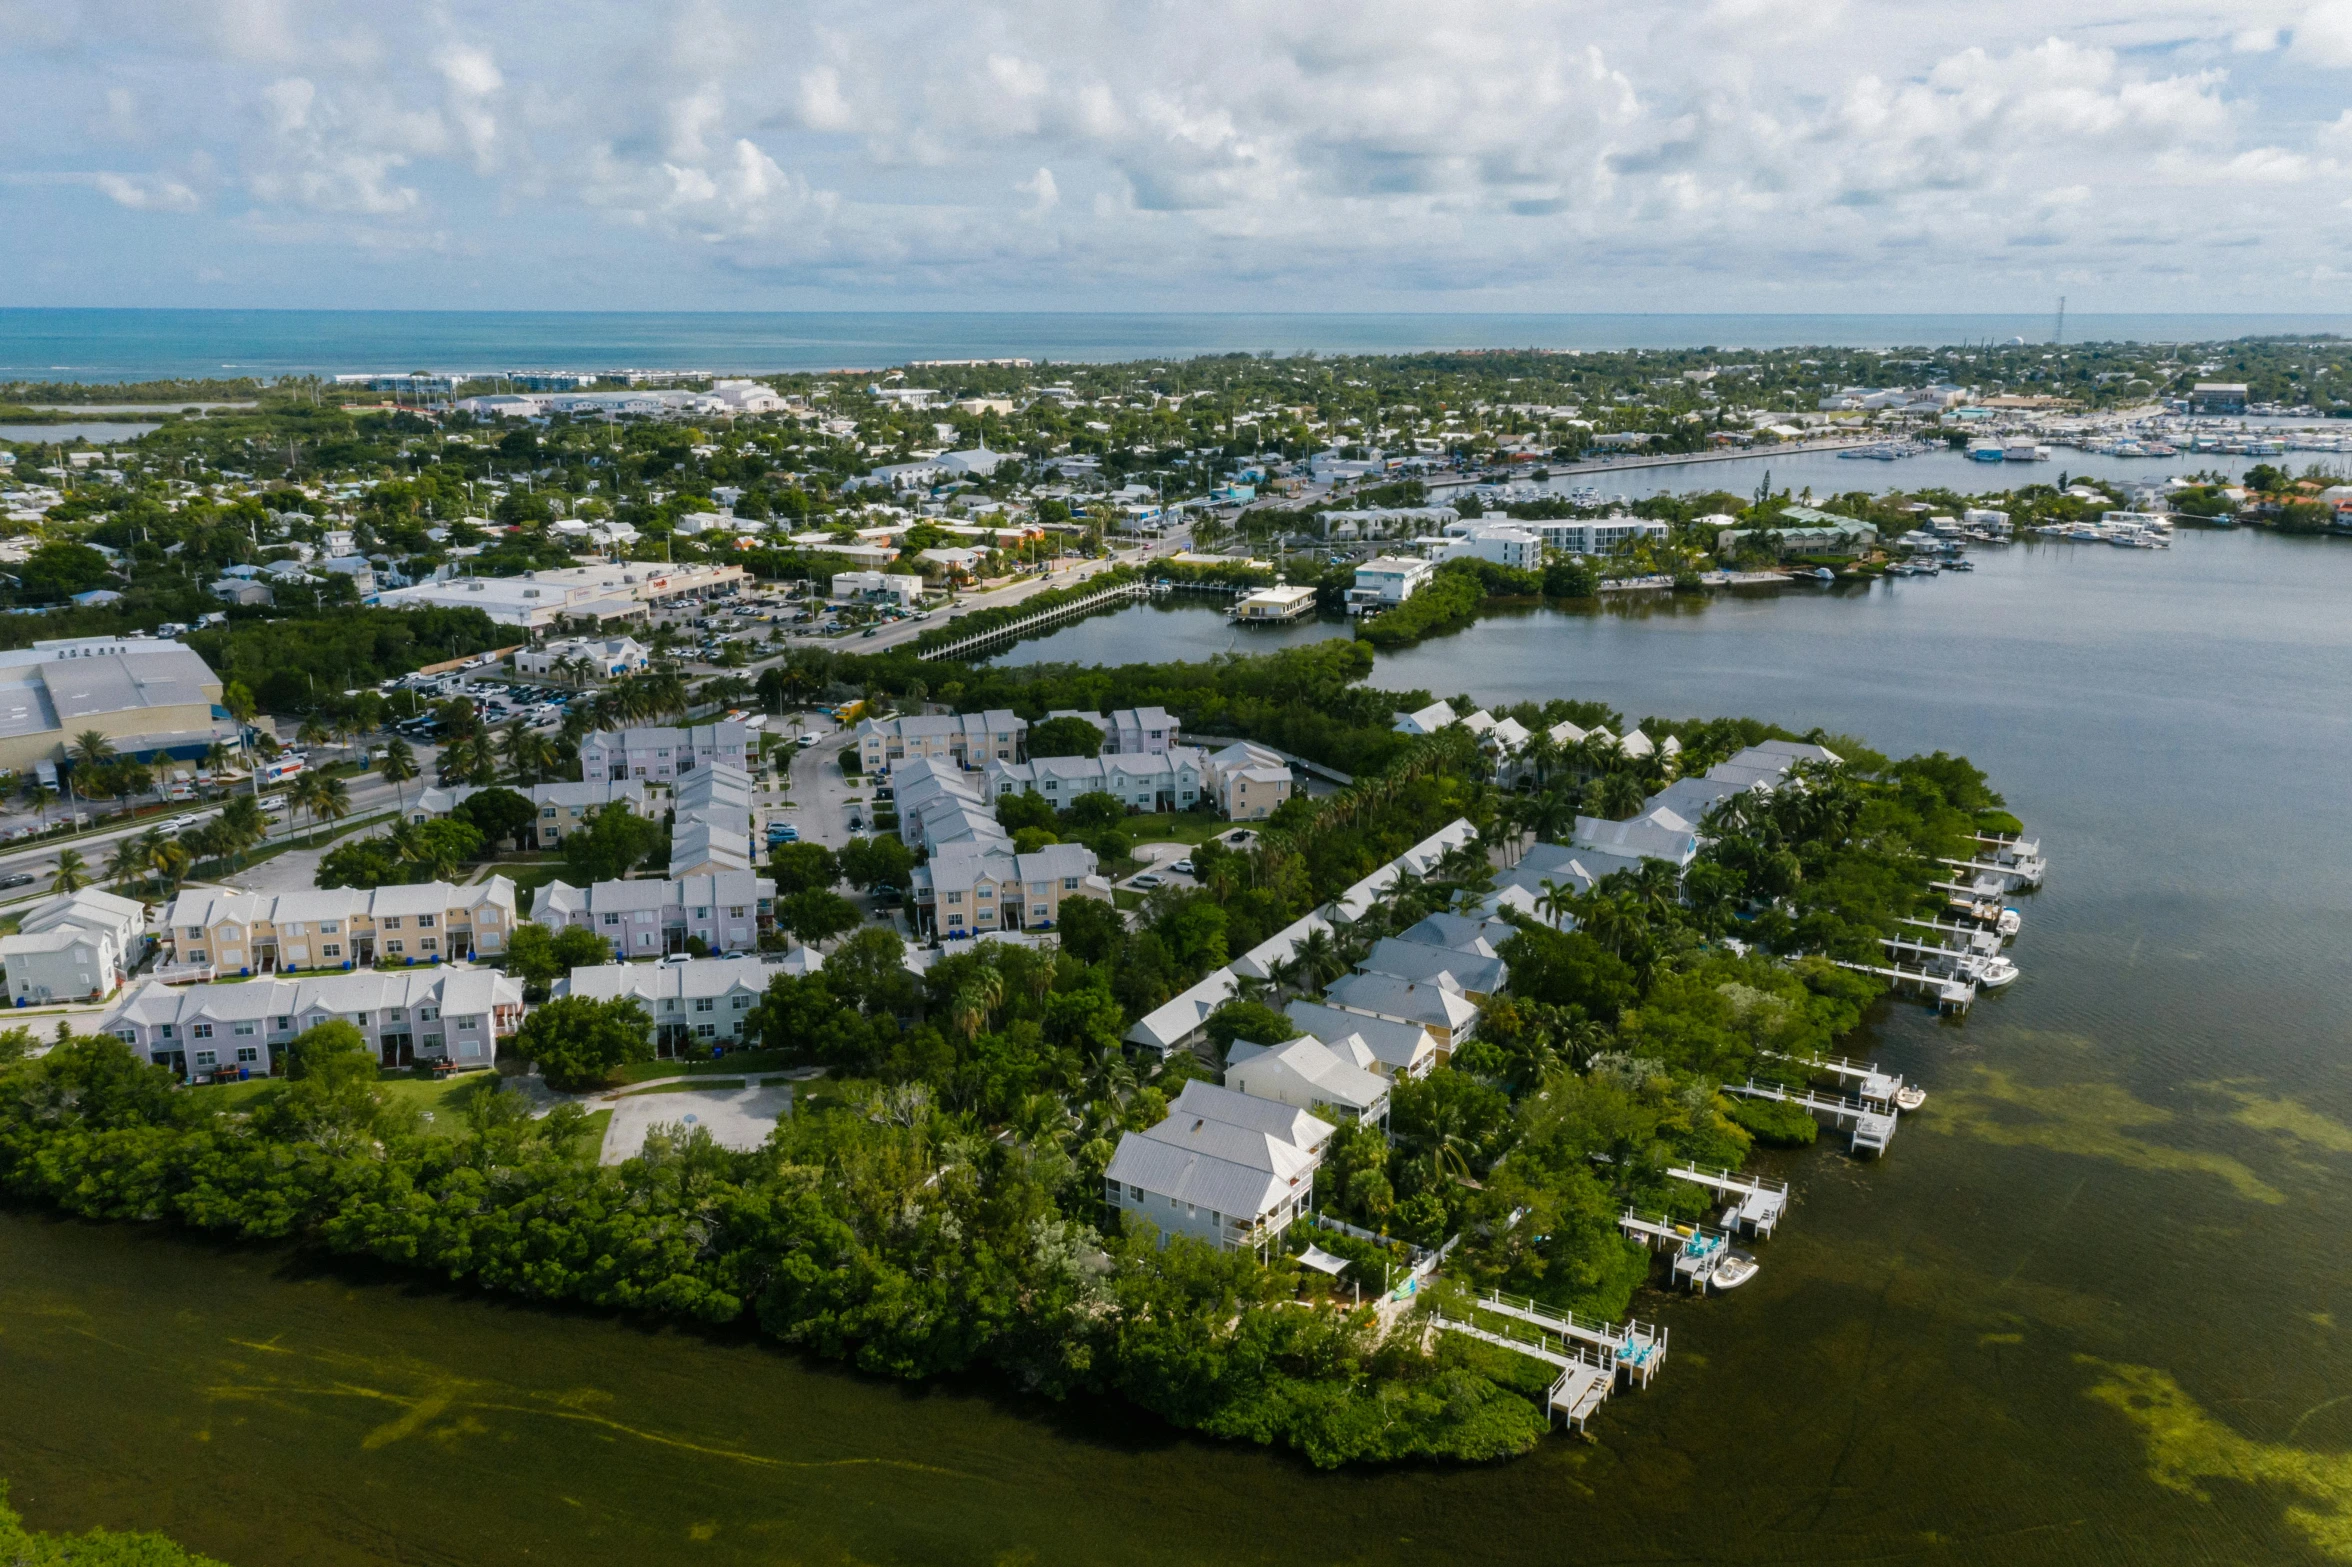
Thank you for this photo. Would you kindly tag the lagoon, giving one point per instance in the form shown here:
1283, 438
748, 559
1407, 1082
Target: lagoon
2111, 1242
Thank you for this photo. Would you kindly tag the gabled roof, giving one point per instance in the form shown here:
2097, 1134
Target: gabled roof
1428, 1003
1412, 960
1402, 1048
1177, 1022
1320, 1068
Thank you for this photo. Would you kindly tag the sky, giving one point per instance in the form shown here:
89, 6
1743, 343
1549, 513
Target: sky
1668, 155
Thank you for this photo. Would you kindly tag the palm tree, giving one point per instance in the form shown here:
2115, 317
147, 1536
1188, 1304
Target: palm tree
129, 861
1619, 796
73, 872
305, 793
40, 797
398, 766
314, 732
332, 800
92, 749
241, 824
173, 859
1315, 960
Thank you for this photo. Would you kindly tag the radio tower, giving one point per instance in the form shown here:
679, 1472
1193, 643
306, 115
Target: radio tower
2058, 332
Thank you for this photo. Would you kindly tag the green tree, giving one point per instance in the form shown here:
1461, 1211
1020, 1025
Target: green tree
500, 815
576, 946
398, 765
530, 955
611, 845
578, 1042
816, 915
98, 1548
1091, 929
803, 867
1095, 809
73, 872
1065, 737
877, 862
1021, 808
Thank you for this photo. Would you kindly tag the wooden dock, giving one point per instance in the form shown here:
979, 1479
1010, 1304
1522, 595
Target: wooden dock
1873, 1084
1586, 1376
1950, 995
1757, 1204
1697, 1250
1873, 1129
1637, 1348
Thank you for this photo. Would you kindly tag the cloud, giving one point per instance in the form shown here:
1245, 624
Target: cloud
1507, 153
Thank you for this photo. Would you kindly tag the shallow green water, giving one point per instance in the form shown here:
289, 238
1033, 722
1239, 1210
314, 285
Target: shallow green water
2091, 1308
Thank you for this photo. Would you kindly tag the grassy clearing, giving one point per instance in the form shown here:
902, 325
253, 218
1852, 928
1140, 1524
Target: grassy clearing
698, 1086
735, 1063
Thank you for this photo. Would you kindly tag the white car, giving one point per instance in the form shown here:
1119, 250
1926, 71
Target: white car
1147, 879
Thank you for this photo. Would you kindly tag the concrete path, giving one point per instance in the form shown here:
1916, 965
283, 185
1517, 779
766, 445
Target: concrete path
739, 1118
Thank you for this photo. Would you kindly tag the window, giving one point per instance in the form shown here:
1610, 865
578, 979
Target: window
706, 1030
467, 1025
741, 1003
196, 956
281, 1024
547, 815
330, 950
424, 922
207, 1058
670, 1004
645, 916
389, 922
247, 1055
129, 1036
428, 944
195, 933
702, 914
166, 1031
245, 1029
394, 946
428, 1014
612, 919
328, 928
735, 911
201, 1031
432, 1041
702, 1003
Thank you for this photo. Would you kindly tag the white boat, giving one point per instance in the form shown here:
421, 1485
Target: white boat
2024, 451
1993, 973
1987, 451
1733, 1271
1910, 1097
2009, 922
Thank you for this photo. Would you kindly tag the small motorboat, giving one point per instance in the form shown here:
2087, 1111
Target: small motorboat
1960, 563
1993, 973
1819, 574
2009, 923
1910, 1097
1734, 1270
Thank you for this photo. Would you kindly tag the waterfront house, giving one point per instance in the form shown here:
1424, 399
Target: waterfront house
1311, 1076
74, 945
1225, 1167
1398, 1049
1440, 1006
454, 1014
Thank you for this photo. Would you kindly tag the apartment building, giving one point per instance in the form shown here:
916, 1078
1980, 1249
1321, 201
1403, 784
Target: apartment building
75, 945
1171, 779
969, 887
645, 919
694, 1006
1247, 781
661, 754
218, 931
970, 740
455, 1014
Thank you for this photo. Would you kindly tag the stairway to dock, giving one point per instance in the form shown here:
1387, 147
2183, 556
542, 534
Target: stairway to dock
1586, 1377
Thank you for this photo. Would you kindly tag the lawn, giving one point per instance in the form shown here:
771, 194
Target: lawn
735, 1063
1172, 827
442, 1099
528, 877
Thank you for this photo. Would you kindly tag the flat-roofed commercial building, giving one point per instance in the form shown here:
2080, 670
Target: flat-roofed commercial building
149, 698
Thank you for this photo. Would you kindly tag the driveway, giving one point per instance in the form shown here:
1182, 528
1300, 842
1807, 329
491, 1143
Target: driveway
739, 1118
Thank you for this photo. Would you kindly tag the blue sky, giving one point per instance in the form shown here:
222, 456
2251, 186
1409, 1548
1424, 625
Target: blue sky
1746, 155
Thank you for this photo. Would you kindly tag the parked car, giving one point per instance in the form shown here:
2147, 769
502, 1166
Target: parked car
1147, 879
1183, 867
20, 879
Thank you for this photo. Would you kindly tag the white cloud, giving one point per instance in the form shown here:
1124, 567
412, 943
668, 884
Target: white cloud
1532, 153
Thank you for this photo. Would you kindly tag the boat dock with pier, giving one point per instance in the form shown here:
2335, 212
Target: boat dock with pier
1757, 1204
1874, 1124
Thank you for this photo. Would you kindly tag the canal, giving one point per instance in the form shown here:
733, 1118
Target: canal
2092, 1306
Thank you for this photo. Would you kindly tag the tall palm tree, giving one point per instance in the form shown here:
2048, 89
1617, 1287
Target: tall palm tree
73, 872
398, 766
305, 793
315, 732
332, 802
172, 862
92, 749
129, 861
40, 797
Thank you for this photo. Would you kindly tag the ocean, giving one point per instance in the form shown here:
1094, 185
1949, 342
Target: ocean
133, 345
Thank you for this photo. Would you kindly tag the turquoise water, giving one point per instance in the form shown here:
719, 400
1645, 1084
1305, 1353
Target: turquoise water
113, 345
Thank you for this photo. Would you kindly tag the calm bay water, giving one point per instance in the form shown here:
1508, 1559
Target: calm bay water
2131, 1168
1826, 473
118, 345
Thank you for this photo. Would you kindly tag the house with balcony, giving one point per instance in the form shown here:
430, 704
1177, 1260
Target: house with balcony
970, 740
695, 1006
649, 919
1225, 1167
213, 930
660, 754
454, 1014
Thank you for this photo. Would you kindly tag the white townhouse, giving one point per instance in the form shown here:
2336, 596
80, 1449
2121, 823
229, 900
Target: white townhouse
1396, 1049
606, 657
644, 919
1174, 779
1224, 1167
1438, 1005
940, 804
971, 740
1127, 731
455, 1014
660, 754
216, 930
75, 945
1309, 1075
694, 1005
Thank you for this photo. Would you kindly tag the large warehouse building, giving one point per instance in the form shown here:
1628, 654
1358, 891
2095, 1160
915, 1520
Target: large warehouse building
147, 697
